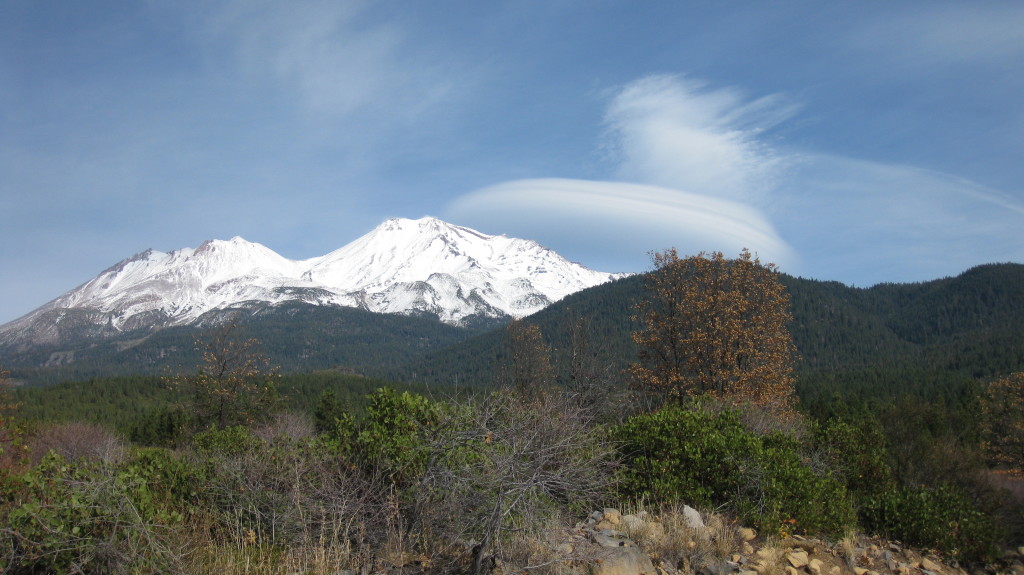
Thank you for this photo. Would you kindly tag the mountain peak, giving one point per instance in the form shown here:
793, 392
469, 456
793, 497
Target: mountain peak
423, 266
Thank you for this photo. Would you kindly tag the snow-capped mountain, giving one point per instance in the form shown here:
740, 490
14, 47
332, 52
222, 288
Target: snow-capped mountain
423, 266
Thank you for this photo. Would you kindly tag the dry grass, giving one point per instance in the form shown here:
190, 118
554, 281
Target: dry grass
770, 560
848, 547
77, 440
286, 425
668, 538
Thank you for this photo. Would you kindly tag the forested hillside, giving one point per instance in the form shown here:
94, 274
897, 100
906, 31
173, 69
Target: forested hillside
922, 339
929, 338
298, 338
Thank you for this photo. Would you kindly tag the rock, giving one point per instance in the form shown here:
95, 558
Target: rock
718, 568
797, 559
792, 571
623, 561
859, 571
612, 515
631, 522
746, 534
800, 543
747, 549
692, 517
834, 570
814, 566
611, 538
655, 531
929, 565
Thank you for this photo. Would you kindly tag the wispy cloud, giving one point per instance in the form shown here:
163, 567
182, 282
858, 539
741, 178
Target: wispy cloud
703, 177
678, 132
961, 33
693, 173
867, 222
332, 56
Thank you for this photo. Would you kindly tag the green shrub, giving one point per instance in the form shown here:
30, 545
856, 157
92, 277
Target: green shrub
229, 441
94, 517
943, 518
855, 451
163, 487
392, 439
680, 455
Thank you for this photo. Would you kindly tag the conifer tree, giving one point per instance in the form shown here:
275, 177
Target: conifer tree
8, 431
328, 411
715, 326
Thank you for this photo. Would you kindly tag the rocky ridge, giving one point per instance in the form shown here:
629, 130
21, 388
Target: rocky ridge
612, 543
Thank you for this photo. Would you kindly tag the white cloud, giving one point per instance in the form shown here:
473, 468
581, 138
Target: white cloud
696, 170
619, 222
709, 182
868, 222
332, 55
967, 33
675, 132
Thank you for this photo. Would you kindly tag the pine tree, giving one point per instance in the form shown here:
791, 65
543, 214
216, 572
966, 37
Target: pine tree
327, 413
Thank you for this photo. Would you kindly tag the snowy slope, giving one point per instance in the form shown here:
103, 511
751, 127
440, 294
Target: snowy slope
423, 266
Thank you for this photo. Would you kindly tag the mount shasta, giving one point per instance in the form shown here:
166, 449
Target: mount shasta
418, 267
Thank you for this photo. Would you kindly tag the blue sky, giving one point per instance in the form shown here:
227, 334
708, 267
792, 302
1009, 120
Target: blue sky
863, 142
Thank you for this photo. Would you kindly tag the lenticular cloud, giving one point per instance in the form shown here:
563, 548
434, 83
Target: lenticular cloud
626, 218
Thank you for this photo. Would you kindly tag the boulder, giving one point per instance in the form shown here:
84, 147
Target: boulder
797, 558
623, 561
631, 523
746, 534
612, 515
610, 538
692, 517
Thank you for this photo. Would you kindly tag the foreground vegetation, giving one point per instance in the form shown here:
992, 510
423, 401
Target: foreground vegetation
236, 468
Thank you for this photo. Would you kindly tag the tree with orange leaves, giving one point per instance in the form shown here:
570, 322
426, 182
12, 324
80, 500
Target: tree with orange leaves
1003, 421
234, 383
715, 326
